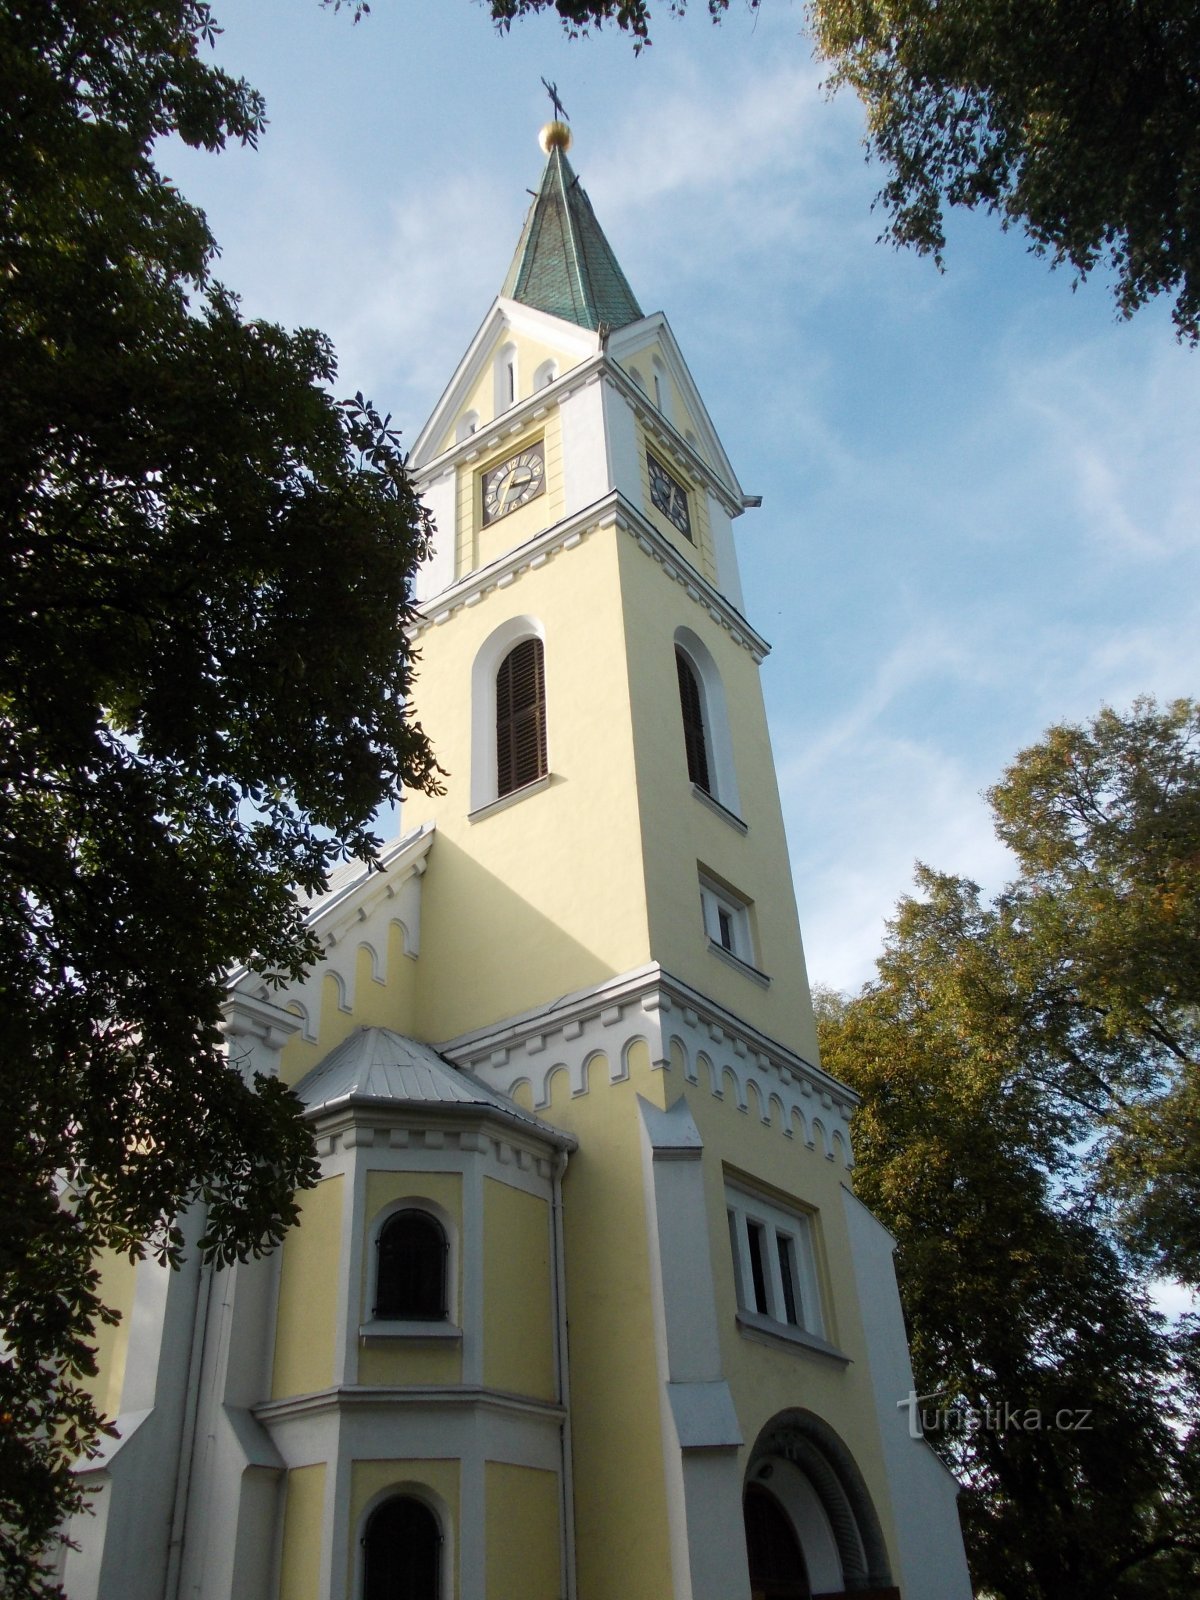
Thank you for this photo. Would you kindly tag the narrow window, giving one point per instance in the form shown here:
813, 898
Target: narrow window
787, 1276
402, 1552
511, 381
756, 1236
520, 718
725, 925
410, 1278
692, 706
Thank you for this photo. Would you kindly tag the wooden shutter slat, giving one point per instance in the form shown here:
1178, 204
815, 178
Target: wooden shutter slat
520, 717
692, 706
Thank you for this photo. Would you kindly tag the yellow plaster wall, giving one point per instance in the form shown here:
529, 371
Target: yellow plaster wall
118, 1279
523, 1560
304, 1328
371, 1478
387, 1005
621, 1534
518, 1315
405, 1360
680, 832
544, 895
765, 1378
303, 1519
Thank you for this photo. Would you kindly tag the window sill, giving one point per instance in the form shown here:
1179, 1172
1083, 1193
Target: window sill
510, 799
743, 967
753, 1325
713, 804
387, 1328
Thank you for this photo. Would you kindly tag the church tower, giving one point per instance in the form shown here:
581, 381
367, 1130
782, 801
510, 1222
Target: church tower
583, 1305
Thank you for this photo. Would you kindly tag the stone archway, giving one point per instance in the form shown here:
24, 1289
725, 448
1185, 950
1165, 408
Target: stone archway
808, 1468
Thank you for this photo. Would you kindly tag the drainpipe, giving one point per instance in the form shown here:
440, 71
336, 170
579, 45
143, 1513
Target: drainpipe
187, 1443
564, 1386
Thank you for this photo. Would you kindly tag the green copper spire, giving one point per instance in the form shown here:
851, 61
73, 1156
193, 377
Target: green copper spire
564, 265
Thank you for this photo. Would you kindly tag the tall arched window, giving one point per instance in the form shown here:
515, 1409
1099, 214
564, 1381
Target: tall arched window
402, 1551
410, 1276
777, 1569
691, 703
520, 717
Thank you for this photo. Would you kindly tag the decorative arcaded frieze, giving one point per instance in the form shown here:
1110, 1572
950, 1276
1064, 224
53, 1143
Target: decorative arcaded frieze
588, 1040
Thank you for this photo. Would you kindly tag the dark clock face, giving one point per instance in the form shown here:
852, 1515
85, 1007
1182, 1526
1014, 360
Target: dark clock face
514, 482
669, 496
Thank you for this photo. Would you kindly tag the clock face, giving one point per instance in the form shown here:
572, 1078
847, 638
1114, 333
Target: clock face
514, 482
669, 496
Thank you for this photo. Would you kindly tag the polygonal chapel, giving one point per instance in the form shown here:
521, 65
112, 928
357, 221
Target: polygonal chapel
583, 1306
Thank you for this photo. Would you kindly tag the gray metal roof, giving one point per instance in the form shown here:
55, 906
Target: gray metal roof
380, 1067
564, 265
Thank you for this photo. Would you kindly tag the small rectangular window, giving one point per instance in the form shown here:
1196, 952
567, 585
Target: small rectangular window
756, 1237
727, 920
786, 1249
774, 1262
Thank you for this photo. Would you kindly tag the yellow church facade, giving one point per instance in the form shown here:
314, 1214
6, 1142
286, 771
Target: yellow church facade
583, 1306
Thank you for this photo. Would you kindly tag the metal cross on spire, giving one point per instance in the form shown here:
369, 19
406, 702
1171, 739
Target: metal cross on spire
560, 111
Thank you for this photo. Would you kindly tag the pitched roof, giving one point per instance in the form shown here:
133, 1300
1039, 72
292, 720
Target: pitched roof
385, 1068
564, 265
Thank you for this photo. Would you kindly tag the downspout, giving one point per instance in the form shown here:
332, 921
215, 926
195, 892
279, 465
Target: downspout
187, 1443
567, 1478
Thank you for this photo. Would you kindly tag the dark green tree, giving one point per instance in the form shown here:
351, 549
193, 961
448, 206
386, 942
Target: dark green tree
1028, 1073
1075, 121
203, 680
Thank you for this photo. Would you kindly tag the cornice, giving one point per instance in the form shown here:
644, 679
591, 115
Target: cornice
613, 510
653, 992
348, 1398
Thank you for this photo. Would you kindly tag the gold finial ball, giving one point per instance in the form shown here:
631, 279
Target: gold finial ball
555, 136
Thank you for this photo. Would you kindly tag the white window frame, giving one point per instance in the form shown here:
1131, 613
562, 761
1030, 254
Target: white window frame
727, 920
791, 1231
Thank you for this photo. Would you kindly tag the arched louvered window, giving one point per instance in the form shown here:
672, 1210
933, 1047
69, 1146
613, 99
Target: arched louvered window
520, 717
777, 1570
410, 1275
691, 702
402, 1551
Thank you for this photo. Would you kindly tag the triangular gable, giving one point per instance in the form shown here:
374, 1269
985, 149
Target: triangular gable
628, 343
504, 319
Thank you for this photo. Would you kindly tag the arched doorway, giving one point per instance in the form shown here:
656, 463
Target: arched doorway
402, 1551
804, 1486
777, 1569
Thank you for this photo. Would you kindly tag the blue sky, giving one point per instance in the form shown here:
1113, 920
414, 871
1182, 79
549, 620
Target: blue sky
981, 491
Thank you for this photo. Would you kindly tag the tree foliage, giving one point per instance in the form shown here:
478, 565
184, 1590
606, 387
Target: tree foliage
203, 678
1077, 122
1028, 1072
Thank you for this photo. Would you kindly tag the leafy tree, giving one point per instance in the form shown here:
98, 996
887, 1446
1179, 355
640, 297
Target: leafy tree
1029, 1078
1078, 122
203, 678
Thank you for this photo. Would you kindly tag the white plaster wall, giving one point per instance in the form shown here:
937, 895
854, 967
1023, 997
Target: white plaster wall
437, 573
729, 579
929, 1560
584, 456
624, 462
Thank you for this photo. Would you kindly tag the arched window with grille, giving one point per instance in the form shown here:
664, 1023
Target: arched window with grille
521, 717
691, 703
410, 1271
402, 1551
